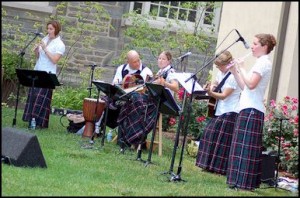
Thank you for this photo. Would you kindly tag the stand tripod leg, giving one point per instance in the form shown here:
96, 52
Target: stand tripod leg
178, 177
153, 134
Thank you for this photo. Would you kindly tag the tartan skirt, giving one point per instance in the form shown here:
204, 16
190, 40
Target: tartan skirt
214, 145
137, 118
245, 157
40, 107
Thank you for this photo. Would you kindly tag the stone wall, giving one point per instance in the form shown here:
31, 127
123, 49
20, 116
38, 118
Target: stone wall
108, 44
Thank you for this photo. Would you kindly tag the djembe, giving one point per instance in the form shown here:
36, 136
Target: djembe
92, 112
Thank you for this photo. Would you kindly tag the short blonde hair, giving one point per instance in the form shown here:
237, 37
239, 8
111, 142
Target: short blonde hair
223, 59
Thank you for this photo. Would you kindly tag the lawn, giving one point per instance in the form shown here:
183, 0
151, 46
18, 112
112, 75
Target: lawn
103, 171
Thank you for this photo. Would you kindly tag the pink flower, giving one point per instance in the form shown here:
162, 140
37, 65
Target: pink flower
200, 119
172, 121
294, 107
287, 98
296, 133
273, 103
295, 100
296, 119
180, 93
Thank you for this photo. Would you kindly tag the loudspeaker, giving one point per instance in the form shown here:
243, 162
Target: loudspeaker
21, 149
268, 166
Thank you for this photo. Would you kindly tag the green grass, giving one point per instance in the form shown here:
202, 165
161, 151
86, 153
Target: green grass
102, 171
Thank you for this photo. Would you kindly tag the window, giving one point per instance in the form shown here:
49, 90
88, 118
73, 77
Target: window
185, 12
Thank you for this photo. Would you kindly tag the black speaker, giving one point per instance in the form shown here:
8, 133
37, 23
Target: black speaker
268, 166
21, 149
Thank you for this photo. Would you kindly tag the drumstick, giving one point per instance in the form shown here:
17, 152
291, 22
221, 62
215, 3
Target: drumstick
242, 58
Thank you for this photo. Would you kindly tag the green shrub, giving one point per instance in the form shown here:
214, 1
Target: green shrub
283, 117
68, 97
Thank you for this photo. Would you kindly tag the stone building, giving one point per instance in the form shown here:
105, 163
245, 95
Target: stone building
110, 39
250, 18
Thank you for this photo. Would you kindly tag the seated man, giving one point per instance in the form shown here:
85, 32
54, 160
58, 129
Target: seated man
133, 66
138, 115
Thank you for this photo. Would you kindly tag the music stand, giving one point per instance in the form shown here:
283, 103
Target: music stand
111, 91
36, 78
165, 104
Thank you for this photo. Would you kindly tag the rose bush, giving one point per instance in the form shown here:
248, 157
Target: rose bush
198, 114
283, 115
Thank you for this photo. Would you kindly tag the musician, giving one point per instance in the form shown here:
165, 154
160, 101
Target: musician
215, 142
137, 116
245, 157
133, 66
48, 52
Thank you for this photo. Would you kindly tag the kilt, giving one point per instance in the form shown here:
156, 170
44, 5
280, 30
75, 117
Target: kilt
245, 157
214, 145
40, 106
137, 118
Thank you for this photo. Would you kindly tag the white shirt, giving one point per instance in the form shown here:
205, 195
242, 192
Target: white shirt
230, 103
56, 46
169, 76
254, 98
144, 73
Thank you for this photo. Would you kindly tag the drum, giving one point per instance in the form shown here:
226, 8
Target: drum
92, 112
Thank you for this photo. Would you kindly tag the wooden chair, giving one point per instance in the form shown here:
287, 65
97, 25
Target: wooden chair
158, 137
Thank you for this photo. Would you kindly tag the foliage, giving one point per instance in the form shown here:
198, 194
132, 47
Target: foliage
13, 42
14, 39
197, 115
168, 121
142, 34
89, 21
68, 97
10, 61
283, 115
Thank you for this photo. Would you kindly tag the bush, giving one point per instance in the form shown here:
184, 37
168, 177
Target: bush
10, 61
198, 119
284, 113
68, 97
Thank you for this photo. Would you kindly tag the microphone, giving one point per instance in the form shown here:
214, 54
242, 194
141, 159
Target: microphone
39, 34
185, 55
242, 39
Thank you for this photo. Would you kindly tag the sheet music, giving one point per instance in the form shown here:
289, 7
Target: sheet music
182, 77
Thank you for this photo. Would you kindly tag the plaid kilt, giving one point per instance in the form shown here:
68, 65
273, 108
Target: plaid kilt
40, 108
245, 157
132, 122
214, 145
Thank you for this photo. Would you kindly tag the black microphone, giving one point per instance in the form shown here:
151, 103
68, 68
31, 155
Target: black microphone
39, 34
184, 55
242, 39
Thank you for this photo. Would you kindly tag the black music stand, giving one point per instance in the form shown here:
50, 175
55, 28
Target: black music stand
36, 78
111, 91
165, 104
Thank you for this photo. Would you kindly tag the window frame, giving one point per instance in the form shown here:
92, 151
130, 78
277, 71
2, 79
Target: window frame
160, 21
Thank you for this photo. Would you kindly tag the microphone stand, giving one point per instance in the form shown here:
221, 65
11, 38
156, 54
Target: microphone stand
179, 128
178, 177
91, 79
21, 54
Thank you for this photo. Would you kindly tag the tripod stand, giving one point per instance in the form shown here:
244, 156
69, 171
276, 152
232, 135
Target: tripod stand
277, 160
36, 78
165, 104
22, 53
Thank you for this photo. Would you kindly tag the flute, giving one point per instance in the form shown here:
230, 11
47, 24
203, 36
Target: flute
242, 58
